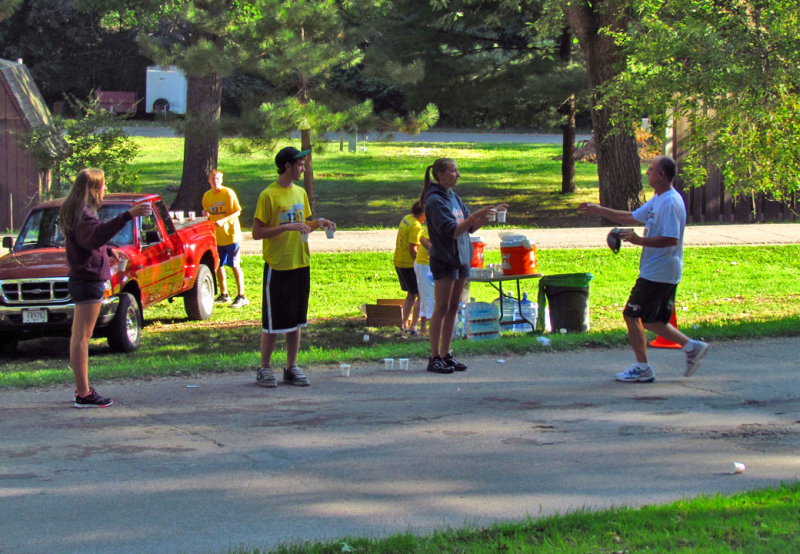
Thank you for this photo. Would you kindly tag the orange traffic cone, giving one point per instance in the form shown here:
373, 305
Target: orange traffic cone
661, 342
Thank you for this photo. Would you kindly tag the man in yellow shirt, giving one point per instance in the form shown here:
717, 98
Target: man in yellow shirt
221, 207
405, 251
283, 222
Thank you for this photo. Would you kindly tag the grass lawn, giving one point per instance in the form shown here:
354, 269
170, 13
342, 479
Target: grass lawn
375, 189
724, 294
764, 521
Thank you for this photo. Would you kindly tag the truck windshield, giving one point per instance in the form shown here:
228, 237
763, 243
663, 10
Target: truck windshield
41, 229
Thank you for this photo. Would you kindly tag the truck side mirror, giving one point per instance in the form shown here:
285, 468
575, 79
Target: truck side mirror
8, 242
152, 237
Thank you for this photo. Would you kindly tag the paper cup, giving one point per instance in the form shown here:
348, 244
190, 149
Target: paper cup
737, 467
179, 216
304, 236
172, 215
122, 265
329, 232
403, 363
388, 363
190, 216
501, 216
345, 369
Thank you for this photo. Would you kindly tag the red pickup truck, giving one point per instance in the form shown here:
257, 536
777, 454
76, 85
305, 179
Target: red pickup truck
159, 259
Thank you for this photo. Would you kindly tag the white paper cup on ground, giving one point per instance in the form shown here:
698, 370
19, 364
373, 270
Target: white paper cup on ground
345, 369
501, 216
388, 363
736, 467
403, 363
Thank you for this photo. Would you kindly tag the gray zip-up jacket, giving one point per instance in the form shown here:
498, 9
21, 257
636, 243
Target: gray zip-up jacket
444, 210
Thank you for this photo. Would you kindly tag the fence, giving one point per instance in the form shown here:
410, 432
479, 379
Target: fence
712, 203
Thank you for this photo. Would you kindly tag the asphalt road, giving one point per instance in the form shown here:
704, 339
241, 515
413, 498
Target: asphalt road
210, 463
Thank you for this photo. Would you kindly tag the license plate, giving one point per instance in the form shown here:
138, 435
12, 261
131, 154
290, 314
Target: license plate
36, 315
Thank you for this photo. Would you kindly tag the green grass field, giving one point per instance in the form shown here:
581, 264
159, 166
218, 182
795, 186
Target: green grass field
723, 295
376, 188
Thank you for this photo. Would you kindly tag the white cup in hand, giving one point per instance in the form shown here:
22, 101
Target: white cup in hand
501, 215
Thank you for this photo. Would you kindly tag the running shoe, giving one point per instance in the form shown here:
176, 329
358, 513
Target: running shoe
92, 400
438, 365
239, 301
455, 364
695, 357
223, 299
266, 378
294, 376
636, 375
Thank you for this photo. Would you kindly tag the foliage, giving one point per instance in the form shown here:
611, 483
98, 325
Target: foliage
93, 139
485, 63
7, 7
731, 71
69, 51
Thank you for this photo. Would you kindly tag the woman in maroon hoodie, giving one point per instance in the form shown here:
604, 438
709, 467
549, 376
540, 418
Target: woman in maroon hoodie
89, 269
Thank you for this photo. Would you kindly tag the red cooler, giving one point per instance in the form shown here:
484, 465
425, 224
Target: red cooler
477, 252
519, 257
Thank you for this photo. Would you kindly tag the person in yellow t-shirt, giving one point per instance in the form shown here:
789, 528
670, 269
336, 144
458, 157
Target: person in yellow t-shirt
222, 208
283, 221
422, 269
405, 251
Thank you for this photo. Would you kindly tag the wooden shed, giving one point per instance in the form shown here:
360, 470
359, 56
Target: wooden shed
21, 108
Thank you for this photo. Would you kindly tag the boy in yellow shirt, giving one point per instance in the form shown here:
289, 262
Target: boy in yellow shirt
221, 207
405, 251
283, 221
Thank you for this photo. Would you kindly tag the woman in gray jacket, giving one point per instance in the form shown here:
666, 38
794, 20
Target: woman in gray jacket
449, 224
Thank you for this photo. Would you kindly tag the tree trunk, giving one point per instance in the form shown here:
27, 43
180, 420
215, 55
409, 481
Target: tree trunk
618, 167
308, 178
201, 144
568, 146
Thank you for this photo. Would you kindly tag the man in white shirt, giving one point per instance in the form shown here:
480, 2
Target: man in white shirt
652, 299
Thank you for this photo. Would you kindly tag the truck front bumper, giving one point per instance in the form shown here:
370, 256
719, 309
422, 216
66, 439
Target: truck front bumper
59, 318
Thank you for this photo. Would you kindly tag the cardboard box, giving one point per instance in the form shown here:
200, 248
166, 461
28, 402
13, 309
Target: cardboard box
388, 312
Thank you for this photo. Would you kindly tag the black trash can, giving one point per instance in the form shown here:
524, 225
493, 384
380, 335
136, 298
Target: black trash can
568, 297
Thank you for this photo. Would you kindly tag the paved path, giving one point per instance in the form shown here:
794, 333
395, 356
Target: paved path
581, 237
209, 463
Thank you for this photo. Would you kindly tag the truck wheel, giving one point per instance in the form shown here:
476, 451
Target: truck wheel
125, 330
199, 301
8, 345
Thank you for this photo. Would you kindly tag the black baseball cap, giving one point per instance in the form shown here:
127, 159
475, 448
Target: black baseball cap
289, 154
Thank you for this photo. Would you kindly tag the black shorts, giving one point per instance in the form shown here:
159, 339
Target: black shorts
408, 279
284, 304
86, 292
651, 301
443, 270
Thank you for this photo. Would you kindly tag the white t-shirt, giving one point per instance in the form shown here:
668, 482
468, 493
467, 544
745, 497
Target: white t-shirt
664, 215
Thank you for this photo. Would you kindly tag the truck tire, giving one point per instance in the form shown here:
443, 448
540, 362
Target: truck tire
199, 302
125, 331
